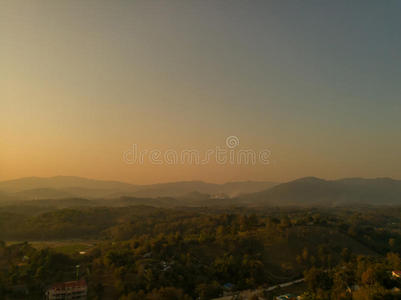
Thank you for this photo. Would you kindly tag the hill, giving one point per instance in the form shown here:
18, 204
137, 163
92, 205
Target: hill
60, 182
77, 187
316, 191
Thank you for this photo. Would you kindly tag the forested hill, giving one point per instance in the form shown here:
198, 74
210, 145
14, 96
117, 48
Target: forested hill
69, 186
141, 252
316, 191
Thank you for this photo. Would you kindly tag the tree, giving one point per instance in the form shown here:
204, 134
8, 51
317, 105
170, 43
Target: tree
208, 291
391, 243
346, 255
317, 279
167, 293
394, 260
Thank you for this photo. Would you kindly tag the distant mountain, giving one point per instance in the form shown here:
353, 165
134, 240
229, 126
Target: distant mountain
77, 187
174, 189
183, 188
316, 191
60, 182
42, 193
62, 187
6, 198
58, 203
301, 192
242, 187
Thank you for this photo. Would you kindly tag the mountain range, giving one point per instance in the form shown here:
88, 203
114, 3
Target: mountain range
307, 191
30, 188
316, 191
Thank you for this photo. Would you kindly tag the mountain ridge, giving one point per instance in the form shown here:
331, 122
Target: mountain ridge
73, 186
317, 191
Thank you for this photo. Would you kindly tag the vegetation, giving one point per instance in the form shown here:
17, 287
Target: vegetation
156, 253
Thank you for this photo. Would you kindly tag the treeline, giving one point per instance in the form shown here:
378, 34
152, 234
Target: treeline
356, 278
149, 253
66, 223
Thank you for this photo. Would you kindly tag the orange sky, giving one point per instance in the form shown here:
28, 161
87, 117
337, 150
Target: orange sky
81, 82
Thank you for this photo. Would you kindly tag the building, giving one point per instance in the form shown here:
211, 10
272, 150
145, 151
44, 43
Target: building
69, 290
396, 274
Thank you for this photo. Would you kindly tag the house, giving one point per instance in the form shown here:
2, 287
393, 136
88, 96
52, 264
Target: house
396, 274
76, 290
286, 297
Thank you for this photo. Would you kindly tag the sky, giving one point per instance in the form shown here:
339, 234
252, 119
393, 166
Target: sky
316, 83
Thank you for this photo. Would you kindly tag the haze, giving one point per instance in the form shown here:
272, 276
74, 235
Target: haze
317, 83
